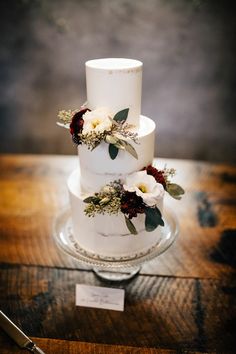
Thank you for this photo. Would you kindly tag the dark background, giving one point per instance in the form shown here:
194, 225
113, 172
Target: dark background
188, 49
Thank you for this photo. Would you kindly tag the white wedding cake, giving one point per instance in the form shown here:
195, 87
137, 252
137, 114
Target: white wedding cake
116, 194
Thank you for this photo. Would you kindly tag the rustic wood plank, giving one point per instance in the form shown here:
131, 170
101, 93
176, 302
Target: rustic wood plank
160, 312
33, 191
52, 346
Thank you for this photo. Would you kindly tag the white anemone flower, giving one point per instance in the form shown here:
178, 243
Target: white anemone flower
97, 120
145, 186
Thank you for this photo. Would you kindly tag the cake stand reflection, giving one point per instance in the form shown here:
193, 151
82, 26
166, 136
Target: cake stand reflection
112, 268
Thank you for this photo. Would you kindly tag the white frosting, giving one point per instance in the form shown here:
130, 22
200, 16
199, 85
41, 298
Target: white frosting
107, 235
115, 83
98, 169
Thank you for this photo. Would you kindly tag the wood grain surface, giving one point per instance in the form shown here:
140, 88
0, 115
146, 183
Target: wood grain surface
55, 346
184, 301
165, 312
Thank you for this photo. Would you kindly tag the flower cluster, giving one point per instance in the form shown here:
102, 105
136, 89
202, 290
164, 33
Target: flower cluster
108, 200
76, 125
164, 177
131, 204
139, 193
92, 127
158, 175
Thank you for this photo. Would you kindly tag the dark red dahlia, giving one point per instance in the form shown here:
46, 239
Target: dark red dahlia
131, 204
158, 175
76, 125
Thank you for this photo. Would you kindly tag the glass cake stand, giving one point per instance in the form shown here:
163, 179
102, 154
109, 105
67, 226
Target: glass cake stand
113, 268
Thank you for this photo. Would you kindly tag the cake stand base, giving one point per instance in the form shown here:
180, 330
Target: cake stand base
116, 275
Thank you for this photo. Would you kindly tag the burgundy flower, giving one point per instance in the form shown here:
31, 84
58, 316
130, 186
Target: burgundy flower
158, 175
132, 204
76, 125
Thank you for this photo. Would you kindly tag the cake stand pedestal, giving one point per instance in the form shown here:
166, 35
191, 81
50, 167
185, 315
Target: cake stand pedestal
113, 268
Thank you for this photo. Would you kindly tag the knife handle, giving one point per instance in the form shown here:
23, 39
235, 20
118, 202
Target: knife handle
13, 331
17, 335
34, 349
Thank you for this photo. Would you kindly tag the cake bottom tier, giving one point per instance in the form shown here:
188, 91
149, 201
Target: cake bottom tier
107, 235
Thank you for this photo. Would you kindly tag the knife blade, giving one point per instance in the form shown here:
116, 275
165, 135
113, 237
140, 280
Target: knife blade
18, 335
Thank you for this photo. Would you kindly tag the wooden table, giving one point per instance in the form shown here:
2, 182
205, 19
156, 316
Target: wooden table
184, 301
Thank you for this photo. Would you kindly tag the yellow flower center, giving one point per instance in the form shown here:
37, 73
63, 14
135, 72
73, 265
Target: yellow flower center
143, 188
95, 122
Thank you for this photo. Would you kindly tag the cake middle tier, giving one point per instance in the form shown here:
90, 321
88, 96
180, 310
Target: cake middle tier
97, 167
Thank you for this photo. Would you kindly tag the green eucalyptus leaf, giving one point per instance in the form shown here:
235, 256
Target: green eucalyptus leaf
130, 149
175, 190
63, 125
89, 199
153, 218
113, 151
121, 115
110, 139
177, 197
120, 144
113, 121
130, 226
104, 201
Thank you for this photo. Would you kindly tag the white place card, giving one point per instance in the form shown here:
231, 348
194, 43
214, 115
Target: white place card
99, 297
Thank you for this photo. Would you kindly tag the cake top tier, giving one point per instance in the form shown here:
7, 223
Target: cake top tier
115, 83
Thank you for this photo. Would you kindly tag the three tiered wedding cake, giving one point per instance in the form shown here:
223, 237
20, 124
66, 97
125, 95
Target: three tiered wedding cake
116, 194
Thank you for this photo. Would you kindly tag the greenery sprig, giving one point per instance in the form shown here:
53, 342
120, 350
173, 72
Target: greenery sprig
65, 116
108, 200
175, 190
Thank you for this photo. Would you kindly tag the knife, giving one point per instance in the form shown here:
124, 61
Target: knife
17, 335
